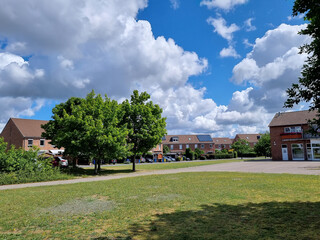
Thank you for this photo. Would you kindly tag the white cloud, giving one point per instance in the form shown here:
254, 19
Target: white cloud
175, 4
272, 66
229, 52
247, 43
222, 4
248, 25
220, 27
299, 16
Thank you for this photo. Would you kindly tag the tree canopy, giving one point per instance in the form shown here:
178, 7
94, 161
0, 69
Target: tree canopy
147, 126
263, 147
241, 146
89, 127
308, 88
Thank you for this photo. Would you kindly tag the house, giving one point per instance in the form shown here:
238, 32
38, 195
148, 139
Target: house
253, 139
157, 152
222, 143
25, 133
290, 139
179, 143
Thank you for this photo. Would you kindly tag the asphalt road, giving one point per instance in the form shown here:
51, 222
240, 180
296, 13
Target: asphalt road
290, 167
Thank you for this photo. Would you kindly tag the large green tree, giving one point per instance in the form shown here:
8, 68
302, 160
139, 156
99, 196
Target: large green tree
263, 146
241, 146
308, 88
144, 120
89, 127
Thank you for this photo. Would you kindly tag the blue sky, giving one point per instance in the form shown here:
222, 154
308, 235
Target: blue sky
218, 67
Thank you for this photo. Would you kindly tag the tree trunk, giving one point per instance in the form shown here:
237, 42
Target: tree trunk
74, 163
95, 167
134, 163
99, 165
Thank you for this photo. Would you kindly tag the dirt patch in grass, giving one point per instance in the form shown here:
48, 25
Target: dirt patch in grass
86, 205
164, 197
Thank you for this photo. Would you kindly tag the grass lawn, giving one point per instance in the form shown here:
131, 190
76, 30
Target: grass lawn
126, 168
175, 206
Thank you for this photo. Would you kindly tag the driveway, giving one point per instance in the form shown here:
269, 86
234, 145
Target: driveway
303, 167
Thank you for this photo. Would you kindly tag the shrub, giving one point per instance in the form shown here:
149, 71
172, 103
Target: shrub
235, 154
222, 156
203, 158
249, 154
210, 156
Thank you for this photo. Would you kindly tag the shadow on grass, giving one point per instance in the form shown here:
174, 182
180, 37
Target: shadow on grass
90, 171
272, 220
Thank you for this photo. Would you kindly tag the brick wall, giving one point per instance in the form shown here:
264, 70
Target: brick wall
12, 135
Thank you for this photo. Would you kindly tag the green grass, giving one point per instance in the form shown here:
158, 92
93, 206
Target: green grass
175, 206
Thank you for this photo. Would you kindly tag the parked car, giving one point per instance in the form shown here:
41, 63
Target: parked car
149, 160
59, 161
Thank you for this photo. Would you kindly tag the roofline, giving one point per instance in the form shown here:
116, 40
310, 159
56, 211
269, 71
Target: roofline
16, 126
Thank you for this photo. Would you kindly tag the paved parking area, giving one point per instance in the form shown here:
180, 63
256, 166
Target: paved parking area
290, 167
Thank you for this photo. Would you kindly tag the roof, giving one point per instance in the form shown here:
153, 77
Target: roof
292, 118
29, 127
251, 138
222, 140
187, 139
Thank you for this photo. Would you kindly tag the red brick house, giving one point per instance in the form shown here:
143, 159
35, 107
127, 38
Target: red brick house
25, 133
222, 143
253, 139
290, 139
179, 143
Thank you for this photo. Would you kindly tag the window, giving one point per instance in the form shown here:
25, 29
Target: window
174, 139
187, 146
210, 145
180, 146
202, 145
296, 129
30, 142
313, 151
42, 142
297, 151
159, 147
189, 139
171, 147
196, 146
258, 137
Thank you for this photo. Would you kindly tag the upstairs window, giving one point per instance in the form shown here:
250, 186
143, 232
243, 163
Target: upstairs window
30, 142
174, 139
296, 129
196, 146
42, 142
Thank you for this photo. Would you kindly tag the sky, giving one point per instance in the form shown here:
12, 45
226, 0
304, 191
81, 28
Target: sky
218, 67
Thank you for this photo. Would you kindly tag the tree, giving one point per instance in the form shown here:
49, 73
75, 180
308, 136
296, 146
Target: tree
166, 149
144, 120
263, 147
198, 152
89, 126
308, 87
241, 146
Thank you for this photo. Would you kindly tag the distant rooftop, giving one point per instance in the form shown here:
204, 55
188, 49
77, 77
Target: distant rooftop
292, 118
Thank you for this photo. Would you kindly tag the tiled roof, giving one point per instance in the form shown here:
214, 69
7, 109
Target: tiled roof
184, 139
251, 138
292, 118
29, 127
222, 140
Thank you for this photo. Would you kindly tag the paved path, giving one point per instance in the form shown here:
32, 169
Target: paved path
308, 168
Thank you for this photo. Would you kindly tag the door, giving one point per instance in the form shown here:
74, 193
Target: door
284, 152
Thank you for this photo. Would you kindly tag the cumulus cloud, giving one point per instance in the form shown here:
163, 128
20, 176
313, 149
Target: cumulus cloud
229, 52
248, 25
272, 66
175, 4
222, 4
220, 27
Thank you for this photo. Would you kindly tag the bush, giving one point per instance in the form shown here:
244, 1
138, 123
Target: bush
222, 156
178, 158
210, 156
249, 154
203, 158
235, 154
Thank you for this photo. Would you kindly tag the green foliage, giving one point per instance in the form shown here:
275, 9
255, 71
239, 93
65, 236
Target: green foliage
190, 154
263, 147
241, 146
309, 83
166, 149
223, 156
89, 127
235, 154
198, 152
144, 120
